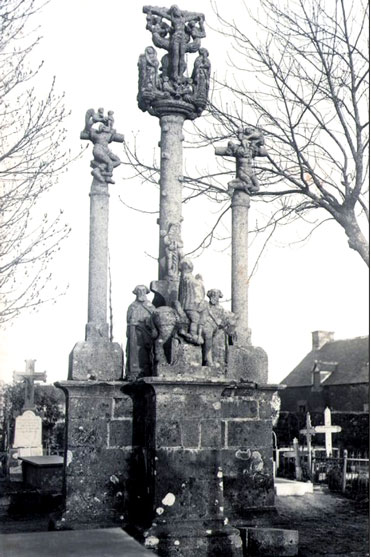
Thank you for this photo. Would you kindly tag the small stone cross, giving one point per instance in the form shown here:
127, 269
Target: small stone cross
309, 431
251, 145
328, 429
29, 376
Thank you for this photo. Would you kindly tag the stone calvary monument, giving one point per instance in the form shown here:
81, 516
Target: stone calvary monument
178, 450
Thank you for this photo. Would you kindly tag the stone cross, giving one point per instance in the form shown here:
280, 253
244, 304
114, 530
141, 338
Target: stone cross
29, 376
166, 91
251, 144
100, 131
309, 431
328, 429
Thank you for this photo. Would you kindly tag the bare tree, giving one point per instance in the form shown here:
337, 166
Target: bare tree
31, 156
303, 78
300, 73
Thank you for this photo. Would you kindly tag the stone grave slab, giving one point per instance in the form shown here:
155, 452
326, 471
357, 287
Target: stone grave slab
107, 542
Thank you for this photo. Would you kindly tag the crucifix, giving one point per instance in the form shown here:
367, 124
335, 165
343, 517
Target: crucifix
251, 145
328, 429
309, 431
29, 376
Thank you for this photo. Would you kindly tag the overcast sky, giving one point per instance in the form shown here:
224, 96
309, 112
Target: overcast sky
92, 48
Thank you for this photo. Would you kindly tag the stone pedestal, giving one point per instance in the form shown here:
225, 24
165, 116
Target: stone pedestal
247, 450
178, 425
97, 360
98, 454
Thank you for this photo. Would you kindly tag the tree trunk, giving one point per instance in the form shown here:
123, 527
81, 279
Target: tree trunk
356, 239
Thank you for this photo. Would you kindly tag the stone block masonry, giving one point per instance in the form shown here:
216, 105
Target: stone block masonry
98, 456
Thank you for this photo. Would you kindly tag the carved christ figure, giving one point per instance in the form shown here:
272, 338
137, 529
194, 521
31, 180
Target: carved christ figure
177, 43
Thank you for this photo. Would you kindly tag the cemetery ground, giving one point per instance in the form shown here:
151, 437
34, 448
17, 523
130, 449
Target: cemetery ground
328, 524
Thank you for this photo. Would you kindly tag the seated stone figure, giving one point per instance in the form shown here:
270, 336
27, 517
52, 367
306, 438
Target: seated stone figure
140, 333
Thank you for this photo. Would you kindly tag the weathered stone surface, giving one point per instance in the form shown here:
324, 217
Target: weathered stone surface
90, 408
189, 539
97, 470
210, 433
168, 433
249, 363
122, 407
248, 433
191, 433
237, 407
84, 432
271, 542
121, 433
98, 360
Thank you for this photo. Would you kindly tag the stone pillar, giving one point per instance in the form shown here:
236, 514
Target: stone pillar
171, 175
180, 507
97, 326
240, 276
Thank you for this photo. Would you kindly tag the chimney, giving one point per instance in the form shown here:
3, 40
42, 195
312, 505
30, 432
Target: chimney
319, 338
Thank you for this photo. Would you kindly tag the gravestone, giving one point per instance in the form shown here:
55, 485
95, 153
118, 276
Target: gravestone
27, 441
28, 426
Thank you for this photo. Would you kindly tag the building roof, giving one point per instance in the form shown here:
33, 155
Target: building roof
347, 359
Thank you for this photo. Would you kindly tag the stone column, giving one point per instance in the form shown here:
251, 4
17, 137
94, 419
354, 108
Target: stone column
240, 276
97, 326
171, 174
97, 358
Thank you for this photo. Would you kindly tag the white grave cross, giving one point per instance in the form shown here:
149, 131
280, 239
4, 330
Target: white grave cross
328, 429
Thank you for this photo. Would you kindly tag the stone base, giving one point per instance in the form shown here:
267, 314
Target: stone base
270, 542
248, 363
98, 458
193, 538
188, 366
98, 360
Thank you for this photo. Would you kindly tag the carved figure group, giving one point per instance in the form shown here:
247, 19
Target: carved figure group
153, 334
104, 159
251, 145
178, 32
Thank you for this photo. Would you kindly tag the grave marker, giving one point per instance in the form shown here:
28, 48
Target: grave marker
309, 431
328, 429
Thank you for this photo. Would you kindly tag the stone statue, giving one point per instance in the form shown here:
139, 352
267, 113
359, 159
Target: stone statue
218, 326
173, 249
201, 77
177, 38
104, 159
140, 334
178, 32
192, 301
251, 145
149, 83
165, 319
